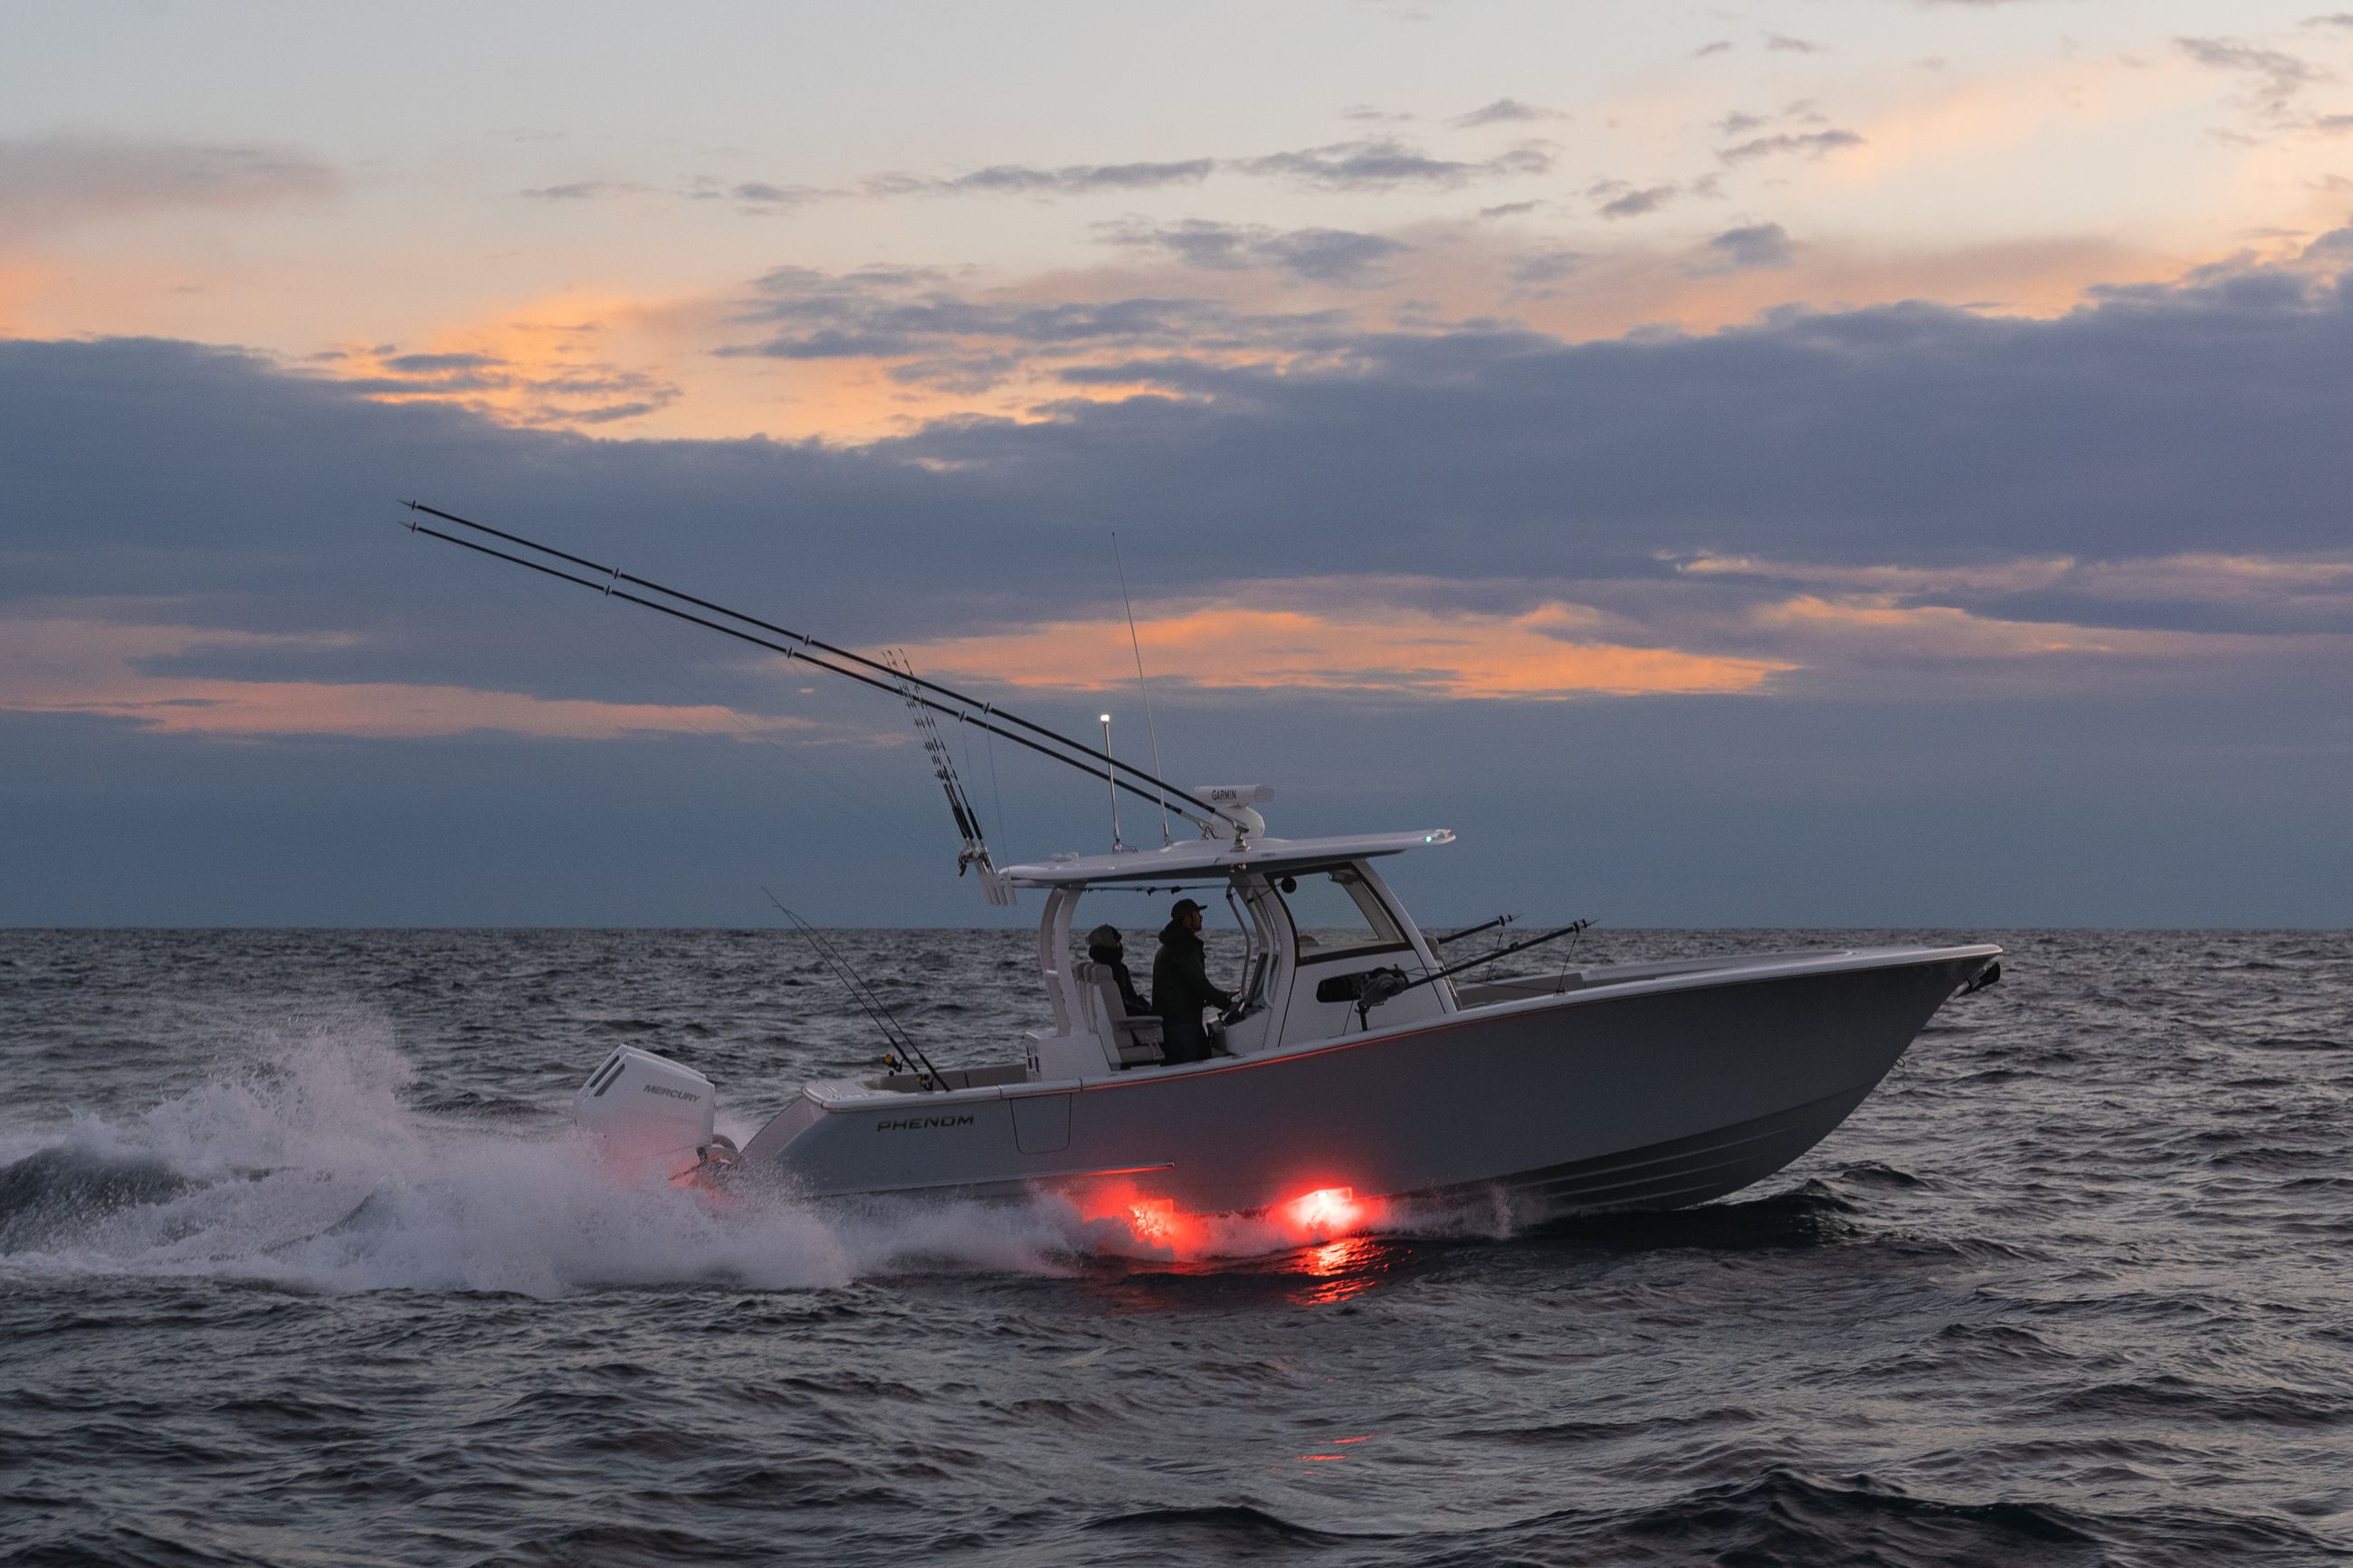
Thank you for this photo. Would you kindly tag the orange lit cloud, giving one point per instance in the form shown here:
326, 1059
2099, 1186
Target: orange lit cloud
2195, 577
1547, 652
1943, 632
2001, 577
562, 360
86, 667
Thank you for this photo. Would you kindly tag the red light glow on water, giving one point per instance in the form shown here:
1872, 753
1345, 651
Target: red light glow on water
1327, 1211
1128, 1219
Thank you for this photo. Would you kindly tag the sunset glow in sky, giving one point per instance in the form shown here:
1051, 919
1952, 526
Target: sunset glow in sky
1674, 445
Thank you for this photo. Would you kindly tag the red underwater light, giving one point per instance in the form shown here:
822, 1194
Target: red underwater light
1327, 1209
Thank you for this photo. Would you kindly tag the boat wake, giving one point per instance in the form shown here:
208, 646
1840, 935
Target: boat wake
309, 1169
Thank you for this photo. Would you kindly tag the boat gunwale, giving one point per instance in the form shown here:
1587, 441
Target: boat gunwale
1776, 967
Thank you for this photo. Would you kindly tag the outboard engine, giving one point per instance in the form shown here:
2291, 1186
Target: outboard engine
646, 1111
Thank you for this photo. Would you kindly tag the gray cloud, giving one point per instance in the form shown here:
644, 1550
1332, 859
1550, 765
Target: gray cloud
55, 182
582, 391
1370, 163
430, 364
585, 191
1755, 247
1811, 144
1022, 179
1783, 44
2157, 420
1504, 111
1383, 164
962, 343
760, 194
2280, 75
1547, 267
1619, 199
1716, 46
1315, 255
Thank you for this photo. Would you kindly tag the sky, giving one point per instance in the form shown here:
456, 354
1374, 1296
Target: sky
1839, 463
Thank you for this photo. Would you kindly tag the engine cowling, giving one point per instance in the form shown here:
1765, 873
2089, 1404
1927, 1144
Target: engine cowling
647, 1113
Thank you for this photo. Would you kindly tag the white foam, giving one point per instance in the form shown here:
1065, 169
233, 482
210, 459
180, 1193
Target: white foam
307, 1168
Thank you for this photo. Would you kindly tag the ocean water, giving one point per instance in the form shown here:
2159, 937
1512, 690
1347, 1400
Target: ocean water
298, 1265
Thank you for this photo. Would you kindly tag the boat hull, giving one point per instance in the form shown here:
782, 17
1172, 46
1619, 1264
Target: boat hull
1652, 1093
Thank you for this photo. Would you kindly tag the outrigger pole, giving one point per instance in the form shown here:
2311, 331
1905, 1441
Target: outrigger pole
903, 684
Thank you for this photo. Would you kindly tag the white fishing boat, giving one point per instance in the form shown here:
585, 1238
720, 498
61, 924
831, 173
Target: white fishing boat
1358, 1070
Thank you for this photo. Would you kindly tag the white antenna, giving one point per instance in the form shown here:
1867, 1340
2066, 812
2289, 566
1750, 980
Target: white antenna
1111, 772
1141, 685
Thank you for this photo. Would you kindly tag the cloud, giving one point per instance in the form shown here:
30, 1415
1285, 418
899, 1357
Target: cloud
774, 197
1714, 47
1624, 200
2199, 419
2182, 444
1547, 267
585, 191
55, 666
1753, 248
53, 183
435, 364
1543, 653
1504, 111
1068, 180
2206, 589
1311, 255
1812, 143
1382, 165
552, 374
1368, 163
1781, 43
2281, 75
970, 341
1933, 633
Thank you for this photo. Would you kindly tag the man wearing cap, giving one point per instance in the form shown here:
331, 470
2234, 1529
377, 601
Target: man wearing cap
1180, 985
1108, 948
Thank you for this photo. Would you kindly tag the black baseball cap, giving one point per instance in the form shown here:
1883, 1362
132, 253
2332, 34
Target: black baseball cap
1182, 908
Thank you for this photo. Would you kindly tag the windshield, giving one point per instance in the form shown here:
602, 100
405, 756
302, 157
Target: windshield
1336, 914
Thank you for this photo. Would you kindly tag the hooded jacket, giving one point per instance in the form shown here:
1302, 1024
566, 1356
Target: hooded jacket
1180, 982
1112, 958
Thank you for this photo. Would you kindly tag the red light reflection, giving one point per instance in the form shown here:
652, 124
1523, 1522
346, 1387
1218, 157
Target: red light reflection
1127, 1220
1327, 1211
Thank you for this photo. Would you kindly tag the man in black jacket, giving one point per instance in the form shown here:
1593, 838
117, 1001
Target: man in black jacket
1180, 985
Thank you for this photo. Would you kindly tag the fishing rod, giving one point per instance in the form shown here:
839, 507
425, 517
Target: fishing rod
1379, 985
897, 679
877, 1011
968, 817
1473, 931
805, 657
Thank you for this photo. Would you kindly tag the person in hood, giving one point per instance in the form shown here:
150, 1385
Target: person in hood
1180, 985
1108, 948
